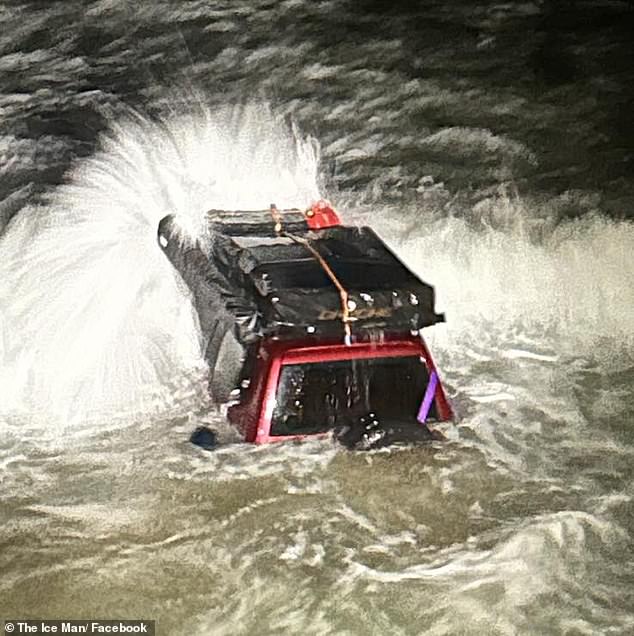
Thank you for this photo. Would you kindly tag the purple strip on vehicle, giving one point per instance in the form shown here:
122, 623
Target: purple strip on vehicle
430, 392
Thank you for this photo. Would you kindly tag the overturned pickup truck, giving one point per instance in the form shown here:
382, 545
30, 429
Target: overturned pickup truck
311, 328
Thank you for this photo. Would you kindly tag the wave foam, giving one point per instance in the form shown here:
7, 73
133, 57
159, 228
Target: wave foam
94, 321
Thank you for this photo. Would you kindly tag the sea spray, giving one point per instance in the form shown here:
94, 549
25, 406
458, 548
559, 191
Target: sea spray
94, 322
512, 264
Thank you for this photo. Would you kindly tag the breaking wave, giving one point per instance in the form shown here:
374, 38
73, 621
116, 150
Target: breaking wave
508, 264
93, 323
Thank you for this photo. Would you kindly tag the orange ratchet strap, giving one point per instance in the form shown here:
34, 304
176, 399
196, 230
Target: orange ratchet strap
343, 293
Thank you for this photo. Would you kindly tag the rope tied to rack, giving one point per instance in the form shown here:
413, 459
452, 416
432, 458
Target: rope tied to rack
343, 292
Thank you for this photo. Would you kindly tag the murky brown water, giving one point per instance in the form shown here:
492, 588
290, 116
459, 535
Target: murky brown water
492, 149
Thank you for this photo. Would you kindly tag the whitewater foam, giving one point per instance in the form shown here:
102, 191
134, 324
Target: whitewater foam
511, 266
94, 323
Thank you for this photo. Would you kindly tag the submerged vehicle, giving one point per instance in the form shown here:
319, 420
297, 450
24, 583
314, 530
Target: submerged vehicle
312, 328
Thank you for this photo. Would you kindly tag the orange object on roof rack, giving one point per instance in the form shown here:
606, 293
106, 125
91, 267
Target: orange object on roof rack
321, 214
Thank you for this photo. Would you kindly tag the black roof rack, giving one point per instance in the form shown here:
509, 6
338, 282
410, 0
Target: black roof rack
258, 282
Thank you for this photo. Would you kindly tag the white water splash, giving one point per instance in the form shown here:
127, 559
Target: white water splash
509, 265
94, 322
